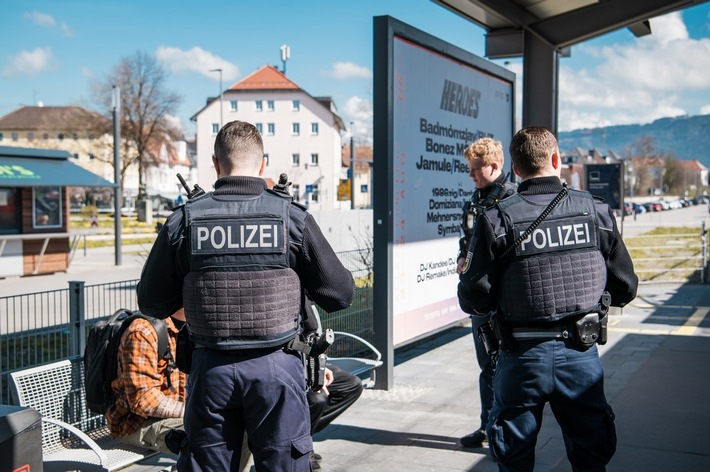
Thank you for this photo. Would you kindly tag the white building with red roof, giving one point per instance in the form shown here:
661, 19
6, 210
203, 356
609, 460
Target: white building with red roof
301, 133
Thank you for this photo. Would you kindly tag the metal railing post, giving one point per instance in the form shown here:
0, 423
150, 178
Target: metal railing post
704, 239
77, 316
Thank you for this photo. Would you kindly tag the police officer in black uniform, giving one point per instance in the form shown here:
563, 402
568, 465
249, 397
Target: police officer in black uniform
549, 261
239, 260
485, 161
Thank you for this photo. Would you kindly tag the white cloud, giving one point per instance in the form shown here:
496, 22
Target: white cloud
636, 82
197, 60
88, 73
41, 19
359, 111
28, 62
347, 70
705, 109
48, 21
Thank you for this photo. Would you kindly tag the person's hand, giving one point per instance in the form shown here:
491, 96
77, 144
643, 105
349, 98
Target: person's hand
328, 380
459, 264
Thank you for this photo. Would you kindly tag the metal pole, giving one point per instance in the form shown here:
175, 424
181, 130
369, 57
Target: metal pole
221, 95
77, 317
352, 169
118, 192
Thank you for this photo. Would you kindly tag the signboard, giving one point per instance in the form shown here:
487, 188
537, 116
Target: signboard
605, 181
441, 99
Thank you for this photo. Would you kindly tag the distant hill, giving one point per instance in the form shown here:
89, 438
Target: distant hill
685, 137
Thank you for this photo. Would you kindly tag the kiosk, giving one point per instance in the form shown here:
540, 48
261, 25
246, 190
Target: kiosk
34, 209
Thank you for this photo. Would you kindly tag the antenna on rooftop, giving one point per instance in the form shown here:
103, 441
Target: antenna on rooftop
285, 55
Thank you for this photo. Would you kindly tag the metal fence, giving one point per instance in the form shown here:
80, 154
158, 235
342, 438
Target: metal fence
42, 327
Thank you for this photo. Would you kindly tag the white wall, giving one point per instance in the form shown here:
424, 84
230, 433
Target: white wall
283, 144
346, 230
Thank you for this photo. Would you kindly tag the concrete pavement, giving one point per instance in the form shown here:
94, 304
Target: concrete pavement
657, 377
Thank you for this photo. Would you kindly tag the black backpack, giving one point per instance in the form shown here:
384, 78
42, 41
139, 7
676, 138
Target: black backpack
101, 356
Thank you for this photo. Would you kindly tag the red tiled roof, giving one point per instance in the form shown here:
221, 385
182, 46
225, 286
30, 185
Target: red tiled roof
71, 118
266, 78
692, 165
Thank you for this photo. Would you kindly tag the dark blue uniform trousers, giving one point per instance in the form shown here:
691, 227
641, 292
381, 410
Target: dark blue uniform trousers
260, 392
572, 381
485, 378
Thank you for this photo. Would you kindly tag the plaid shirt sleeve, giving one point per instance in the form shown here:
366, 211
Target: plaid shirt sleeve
141, 386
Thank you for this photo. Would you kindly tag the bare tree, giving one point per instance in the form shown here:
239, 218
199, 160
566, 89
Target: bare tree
146, 103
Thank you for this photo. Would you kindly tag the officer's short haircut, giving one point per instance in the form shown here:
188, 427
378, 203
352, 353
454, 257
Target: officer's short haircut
486, 151
531, 149
238, 145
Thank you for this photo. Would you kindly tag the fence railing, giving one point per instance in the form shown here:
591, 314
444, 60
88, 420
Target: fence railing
42, 327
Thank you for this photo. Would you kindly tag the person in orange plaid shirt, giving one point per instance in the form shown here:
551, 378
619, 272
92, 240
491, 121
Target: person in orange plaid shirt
148, 408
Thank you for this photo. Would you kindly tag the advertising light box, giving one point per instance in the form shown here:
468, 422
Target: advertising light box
439, 100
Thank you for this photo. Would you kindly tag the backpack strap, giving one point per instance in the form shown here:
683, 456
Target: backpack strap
164, 352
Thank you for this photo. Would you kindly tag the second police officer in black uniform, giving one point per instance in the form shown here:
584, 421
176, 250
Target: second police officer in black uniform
549, 261
485, 161
240, 259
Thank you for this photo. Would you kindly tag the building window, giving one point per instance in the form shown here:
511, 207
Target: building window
14, 135
233, 105
2, 136
215, 129
295, 105
314, 194
75, 136
314, 159
60, 136
266, 156
270, 129
295, 192
296, 129
270, 105
30, 136
92, 156
314, 128
76, 155
295, 159
45, 136
259, 105
259, 128
47, 207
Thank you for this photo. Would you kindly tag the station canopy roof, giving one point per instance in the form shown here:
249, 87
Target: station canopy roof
27, 167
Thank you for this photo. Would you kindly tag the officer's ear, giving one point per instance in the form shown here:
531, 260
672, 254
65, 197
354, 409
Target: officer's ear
215, 163
262, 167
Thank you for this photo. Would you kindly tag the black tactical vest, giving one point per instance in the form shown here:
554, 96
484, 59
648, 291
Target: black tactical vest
241, 292
558, 271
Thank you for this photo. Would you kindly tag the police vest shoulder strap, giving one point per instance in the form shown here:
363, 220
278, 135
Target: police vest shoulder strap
537, 222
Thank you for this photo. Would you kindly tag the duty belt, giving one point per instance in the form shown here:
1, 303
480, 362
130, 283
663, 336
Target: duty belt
541, 332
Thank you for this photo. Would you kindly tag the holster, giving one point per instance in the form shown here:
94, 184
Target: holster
185, 346
506, 342
488, 338
587, 330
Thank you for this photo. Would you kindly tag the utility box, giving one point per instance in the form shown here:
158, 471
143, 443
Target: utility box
20, 439
144, 207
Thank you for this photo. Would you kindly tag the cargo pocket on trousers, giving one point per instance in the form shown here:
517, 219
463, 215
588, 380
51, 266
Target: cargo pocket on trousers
301, 446
611, 434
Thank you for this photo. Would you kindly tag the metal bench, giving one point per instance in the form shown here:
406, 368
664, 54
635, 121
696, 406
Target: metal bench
73, 437
360, 366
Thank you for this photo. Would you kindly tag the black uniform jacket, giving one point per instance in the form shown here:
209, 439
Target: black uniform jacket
479, 285
321, 273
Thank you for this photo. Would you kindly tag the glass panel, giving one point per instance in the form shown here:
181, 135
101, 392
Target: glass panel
47, 207
9, 211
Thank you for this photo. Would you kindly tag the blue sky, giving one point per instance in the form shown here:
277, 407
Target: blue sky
52, 50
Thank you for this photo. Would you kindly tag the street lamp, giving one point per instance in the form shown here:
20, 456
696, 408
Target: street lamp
220, 95
117, 192
352, 169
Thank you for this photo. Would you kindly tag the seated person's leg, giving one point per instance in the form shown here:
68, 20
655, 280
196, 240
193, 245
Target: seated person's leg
345, 389
152, 434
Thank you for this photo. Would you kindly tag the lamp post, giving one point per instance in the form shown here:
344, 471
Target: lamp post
220, 95
352, 169
117, 193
